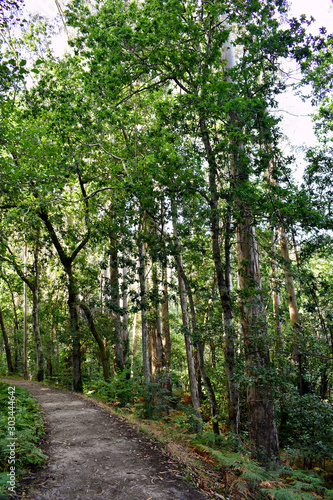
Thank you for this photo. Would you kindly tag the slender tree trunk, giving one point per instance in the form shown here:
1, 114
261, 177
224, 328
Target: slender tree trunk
303, 386
25, 321
73, 305
230, 334
189, 352
200, 354
165, 322
115, 297
156, 327
16, 327
166, 339
292, 301
276, 297
67, 262
35, 315
124, 323
104, 353
37, 337
144, 319
7, 346
134, 342
187, 333
223, 283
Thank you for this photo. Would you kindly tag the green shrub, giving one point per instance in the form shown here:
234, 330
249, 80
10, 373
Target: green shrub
306, 428
29, 429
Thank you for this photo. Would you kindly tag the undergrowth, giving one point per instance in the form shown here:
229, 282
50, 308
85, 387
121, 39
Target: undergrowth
28, 430
221, 465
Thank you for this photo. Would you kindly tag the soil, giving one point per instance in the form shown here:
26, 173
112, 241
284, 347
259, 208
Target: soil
96, 455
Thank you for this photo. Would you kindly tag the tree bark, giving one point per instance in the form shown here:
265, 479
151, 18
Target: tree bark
33, 284
124, 323
276, 297
224, 284
7, 346
104, 353
25, 321
262, 426
156, 327
73, 305
35, 315
165, 323
200, 354
187, 333
67, 262
303, 386
16, 326
115, 298
144, 319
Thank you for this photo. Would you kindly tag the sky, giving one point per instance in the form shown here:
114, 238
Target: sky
296, 114
299, 127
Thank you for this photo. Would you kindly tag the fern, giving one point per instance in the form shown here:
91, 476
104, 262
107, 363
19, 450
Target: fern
28, 430
288, 494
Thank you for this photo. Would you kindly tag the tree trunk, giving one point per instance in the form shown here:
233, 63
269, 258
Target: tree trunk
124, 323
144, 319
115, 298
134, 342
16, 327
166, 339
104, 353
188, 338
35, 315
156, 327
25, 321
73, 304
189, 352
200, 355
276, 298
67, 262
37, 337
303, 386
262, 427
224, 284
165, 323
7, 346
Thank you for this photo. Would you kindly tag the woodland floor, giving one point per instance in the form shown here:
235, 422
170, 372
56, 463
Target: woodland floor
94, 454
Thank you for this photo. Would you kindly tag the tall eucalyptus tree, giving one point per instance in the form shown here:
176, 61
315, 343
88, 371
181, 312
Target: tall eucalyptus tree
178, 47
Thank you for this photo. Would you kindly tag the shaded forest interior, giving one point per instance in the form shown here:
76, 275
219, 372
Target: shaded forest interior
155, 247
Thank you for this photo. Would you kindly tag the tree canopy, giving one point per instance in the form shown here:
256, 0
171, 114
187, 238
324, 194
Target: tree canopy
151, 231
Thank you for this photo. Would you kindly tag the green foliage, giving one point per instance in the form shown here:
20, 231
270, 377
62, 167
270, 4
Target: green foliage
119, 391
284, 483
29, 429
299, 485
118, 129
308, 428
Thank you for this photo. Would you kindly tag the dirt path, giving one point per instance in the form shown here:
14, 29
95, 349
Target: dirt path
94, 454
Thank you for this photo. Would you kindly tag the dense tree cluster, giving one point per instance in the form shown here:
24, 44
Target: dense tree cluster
144, 196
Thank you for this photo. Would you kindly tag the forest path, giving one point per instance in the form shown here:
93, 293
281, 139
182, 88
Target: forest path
94, 454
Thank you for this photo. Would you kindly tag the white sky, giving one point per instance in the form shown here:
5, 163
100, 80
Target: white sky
298, 128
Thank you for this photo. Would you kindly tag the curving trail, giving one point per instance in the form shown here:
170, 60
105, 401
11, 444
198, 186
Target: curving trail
95, 455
